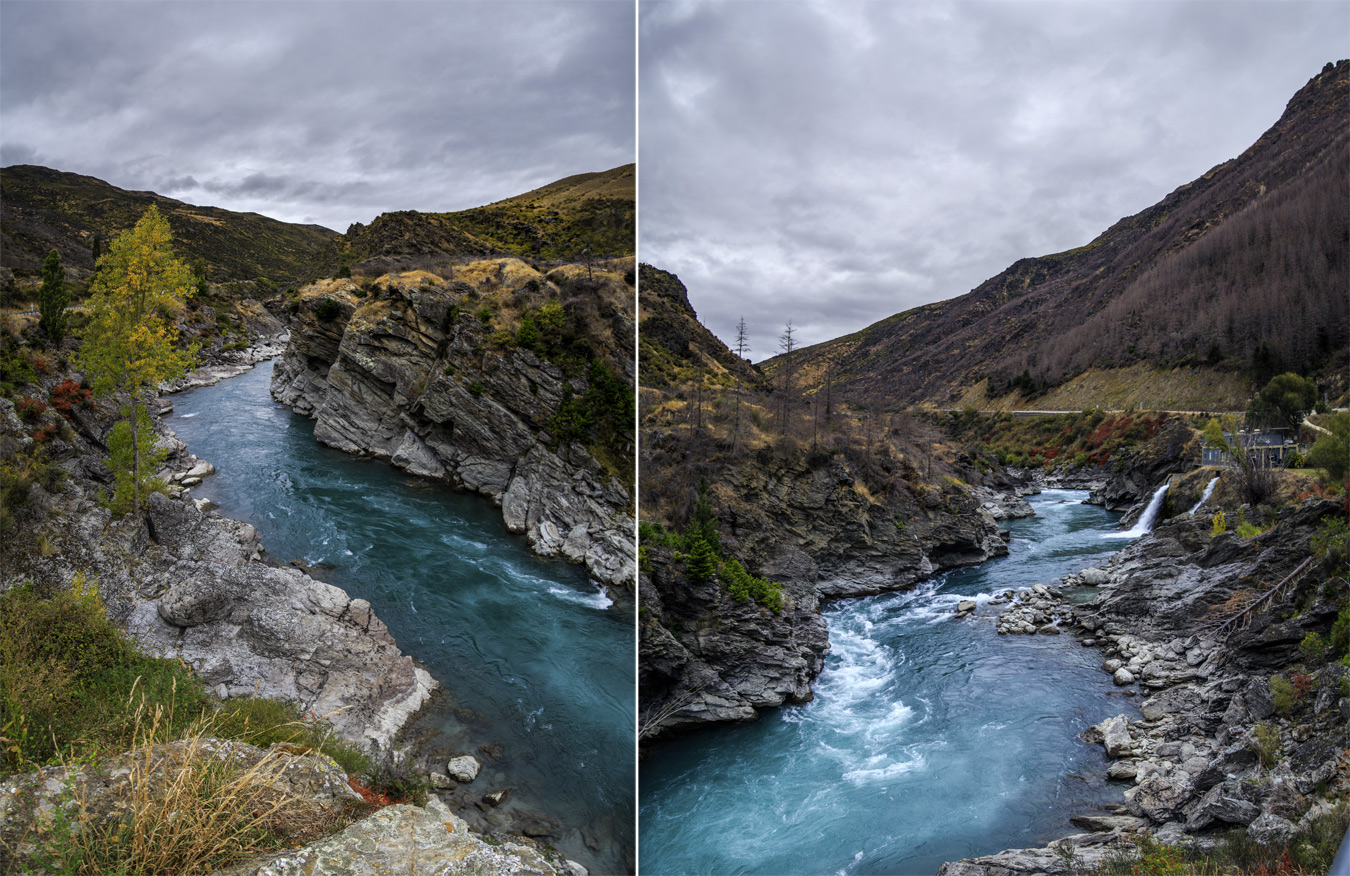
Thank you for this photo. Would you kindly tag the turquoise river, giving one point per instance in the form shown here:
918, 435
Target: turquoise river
534, 656
929, 739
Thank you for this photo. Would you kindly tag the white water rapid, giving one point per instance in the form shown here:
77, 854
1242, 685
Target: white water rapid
1204, 497
1145, 523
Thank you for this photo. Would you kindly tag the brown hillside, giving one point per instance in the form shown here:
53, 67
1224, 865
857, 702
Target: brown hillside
1255, 251
43, 209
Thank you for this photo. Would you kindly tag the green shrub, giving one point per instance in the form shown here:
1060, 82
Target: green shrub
1248, 530
344, 271
1331, 540
527, 335
1158, 859
1313, 647
396, 777
327, 310
742, 586
476, 389
572, 420
655, 534
1268, 742
1282, 694
1340, 631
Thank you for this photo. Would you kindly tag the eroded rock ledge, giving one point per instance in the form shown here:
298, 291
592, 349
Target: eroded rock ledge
414, 378
705, 658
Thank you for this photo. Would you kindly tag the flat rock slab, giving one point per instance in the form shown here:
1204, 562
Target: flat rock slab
401, 840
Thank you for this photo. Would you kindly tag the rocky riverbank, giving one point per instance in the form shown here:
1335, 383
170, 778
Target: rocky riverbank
1241, 728
705, 657
194, 585
416, 372
188, 583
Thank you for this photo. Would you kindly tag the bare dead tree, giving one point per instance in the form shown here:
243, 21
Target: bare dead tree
829, 389
742, 347
786, 344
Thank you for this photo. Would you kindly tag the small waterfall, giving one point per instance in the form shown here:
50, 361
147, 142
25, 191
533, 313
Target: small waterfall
1145, 523
1204, 497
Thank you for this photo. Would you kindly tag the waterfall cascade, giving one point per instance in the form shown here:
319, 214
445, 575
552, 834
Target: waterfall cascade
1145, 523
1204, 497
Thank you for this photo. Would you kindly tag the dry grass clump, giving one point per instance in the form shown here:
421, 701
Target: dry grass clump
188, 806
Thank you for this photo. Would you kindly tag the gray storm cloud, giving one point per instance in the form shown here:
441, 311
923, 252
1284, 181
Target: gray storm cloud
835, 163
323, 112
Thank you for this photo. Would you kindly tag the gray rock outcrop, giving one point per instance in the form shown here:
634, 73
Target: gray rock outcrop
413, 377
195, 586
706, 658
407, 839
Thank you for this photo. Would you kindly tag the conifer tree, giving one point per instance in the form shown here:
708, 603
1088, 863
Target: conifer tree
53, 297
702, 544
128, 348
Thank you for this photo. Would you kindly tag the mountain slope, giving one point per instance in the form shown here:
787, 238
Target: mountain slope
44, 209
595, 211
1256, 250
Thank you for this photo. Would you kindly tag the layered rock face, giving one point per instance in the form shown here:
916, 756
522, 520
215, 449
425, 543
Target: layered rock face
704, 658
860, 546
411, 375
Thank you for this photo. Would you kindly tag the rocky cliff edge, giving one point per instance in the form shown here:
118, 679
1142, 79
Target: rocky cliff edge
441, 378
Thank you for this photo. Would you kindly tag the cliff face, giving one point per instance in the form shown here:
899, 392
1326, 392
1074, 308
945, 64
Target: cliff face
1175, 449
832, 507
861, 546
705, 658
429, 375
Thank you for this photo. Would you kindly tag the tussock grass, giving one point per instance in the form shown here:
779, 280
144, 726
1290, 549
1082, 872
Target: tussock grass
183, 807
143, 730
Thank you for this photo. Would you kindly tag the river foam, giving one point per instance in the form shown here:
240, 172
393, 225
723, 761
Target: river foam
928, 739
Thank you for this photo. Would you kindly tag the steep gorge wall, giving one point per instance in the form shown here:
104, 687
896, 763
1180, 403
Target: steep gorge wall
412, 375
705, 658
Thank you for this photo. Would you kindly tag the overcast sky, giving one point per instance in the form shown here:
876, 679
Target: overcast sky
834, 163
319, 112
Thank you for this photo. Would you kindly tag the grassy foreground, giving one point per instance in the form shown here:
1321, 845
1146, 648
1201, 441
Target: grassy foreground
75, 691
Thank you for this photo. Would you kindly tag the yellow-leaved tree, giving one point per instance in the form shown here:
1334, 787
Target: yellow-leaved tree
130, 346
